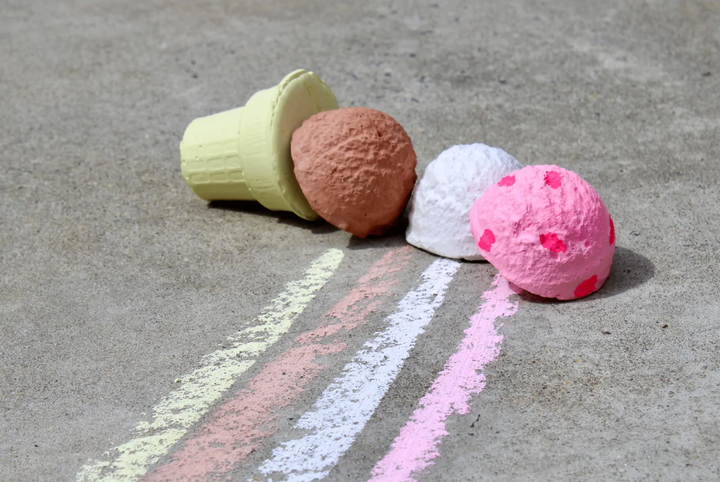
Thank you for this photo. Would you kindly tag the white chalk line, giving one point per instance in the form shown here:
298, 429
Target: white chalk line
349, 401
199, 390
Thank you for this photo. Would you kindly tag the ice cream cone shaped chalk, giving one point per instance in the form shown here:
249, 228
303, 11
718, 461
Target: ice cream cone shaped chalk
441, 202
243, 154
357, 168
547, 231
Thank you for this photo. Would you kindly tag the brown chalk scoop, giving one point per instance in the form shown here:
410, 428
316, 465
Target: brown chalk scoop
356, 167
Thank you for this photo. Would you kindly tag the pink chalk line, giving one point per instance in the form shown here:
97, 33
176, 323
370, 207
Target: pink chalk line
239, 425
417, 444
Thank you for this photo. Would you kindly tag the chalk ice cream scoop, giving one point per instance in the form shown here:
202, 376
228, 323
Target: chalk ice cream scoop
356, 166
547, 231
244, 153
441, 202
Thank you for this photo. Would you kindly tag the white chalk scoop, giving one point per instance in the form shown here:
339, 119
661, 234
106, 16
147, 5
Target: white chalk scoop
442, 199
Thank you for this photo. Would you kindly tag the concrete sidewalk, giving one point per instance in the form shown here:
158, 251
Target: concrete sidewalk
115, 280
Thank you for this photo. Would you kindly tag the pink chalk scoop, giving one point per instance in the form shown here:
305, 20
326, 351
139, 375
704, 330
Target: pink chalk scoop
547, 231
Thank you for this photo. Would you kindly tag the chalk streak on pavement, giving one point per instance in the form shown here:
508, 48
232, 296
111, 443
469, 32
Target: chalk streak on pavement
240, 424
199, 390
417, 444
346, 405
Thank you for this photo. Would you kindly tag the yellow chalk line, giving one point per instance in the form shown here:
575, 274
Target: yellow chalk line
199, 390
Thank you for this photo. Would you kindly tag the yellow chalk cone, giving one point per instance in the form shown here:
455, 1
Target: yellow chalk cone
243, 154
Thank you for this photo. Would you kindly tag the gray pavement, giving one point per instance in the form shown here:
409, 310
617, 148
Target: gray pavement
115, 279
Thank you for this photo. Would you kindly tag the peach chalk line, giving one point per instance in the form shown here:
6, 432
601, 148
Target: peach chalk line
417, 444
349, 401
199, 390
239, 425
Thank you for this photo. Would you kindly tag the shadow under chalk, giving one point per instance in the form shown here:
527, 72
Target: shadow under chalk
318, 226
629, 270
392, 238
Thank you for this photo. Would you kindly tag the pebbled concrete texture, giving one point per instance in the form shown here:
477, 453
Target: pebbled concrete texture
115, 279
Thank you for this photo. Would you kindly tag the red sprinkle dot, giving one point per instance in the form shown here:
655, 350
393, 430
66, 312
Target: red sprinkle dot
586, 287
552, 242
612, 231
486, 240
507, 181
553, 179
